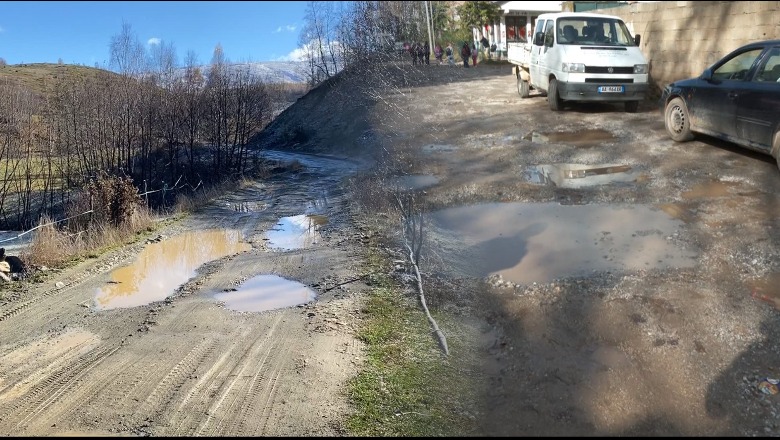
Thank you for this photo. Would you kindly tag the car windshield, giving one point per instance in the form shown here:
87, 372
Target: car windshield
593, 31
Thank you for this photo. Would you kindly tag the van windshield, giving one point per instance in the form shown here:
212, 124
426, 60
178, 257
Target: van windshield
593, 31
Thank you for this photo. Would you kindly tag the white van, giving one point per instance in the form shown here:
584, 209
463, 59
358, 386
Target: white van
581, 57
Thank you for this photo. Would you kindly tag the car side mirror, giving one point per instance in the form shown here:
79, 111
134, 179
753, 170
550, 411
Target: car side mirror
706, 75
637, 39
539, 39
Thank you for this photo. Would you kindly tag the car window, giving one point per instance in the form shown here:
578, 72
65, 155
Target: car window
770, 70
737, 67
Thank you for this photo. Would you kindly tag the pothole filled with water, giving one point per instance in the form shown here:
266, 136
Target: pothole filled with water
413, 182
296, 232
541, 242
438, 147
163, 266
582, 138
578, 176
266, 292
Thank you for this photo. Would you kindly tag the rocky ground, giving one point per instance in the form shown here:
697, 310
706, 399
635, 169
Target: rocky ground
599, 278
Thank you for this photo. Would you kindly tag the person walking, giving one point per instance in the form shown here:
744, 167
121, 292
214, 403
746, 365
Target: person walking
413, 52
465, 53
427, 53
438, 52
474, 54
450, 55
421, 52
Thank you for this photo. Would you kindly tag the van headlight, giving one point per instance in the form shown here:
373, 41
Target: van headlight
574, 67
640, 68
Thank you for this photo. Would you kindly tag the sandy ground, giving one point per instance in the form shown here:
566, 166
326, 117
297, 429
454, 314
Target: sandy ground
604, 280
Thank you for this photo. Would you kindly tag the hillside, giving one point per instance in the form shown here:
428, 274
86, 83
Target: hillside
41, 77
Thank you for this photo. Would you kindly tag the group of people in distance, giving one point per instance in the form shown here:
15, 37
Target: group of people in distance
421, 53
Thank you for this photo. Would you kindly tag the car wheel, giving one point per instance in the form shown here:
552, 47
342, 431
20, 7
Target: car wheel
776, 149
523, 88
556, 103
677, 120
632, 106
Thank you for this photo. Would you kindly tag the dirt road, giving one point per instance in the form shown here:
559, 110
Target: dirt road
603, 279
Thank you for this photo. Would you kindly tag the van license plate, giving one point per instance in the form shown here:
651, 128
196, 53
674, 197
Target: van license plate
611, 89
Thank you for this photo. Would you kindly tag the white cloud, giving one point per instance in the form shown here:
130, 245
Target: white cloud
153, 41
298, 54
288, 28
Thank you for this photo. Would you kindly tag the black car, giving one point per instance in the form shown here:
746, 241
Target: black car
737, 99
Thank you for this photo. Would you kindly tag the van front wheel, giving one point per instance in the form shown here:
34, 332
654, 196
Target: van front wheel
556, 103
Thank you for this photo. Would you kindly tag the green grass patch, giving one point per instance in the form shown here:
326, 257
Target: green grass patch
407, 387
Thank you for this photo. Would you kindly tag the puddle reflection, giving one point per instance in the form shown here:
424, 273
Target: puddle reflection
162, 267
296, 232
540, 242
583, 138
266, 292
578, 176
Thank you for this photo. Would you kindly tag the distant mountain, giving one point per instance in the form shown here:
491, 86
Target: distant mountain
274, 71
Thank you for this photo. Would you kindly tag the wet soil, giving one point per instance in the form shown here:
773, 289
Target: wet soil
640, 302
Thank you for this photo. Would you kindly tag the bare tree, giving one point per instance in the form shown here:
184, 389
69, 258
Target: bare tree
319, 40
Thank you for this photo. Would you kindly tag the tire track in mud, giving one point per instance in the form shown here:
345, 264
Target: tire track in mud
198, 401
225, 409
14, 418
164, 393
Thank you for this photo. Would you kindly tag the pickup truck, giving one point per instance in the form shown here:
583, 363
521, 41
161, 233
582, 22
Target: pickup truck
581, 57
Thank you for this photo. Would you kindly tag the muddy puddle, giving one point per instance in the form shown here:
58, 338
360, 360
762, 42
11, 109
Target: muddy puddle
582, 138
578, 176
413, 182
541, 242
433, 148
266, 292
163, 266
296, 232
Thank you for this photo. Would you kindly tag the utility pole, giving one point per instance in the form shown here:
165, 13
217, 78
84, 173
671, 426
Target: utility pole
428, 25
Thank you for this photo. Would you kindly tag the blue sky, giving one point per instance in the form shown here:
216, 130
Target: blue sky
79, 32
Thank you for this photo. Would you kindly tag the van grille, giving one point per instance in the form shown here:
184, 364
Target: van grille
600, 69
609, 80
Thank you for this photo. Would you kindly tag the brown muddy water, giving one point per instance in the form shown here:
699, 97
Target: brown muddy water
542, 242
296, 232
266, 292
163, 266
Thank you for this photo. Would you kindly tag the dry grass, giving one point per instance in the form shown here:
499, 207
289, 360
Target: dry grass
55, 247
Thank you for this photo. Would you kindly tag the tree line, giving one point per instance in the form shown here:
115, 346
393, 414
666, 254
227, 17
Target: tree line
337, 35
147, 120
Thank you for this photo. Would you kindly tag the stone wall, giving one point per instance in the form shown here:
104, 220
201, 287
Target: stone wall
682, 38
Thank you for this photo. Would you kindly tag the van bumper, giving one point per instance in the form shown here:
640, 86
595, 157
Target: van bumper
590, 92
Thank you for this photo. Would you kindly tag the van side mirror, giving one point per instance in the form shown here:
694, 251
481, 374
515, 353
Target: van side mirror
539, 39
637, 39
